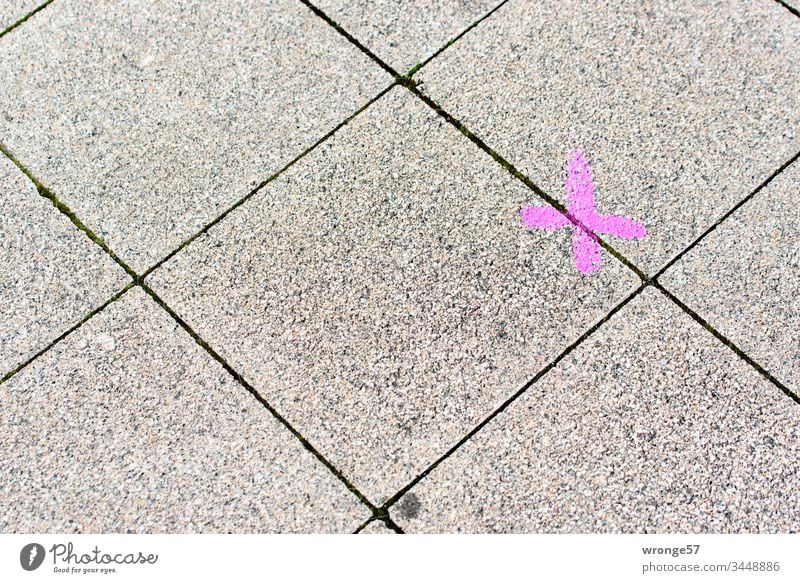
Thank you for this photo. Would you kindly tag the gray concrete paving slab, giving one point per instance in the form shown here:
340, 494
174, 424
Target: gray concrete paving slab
376, 527
683, 108
129, 426
793, 3
386, 294
149, 120
651, 425
51, 274
383, 295
12, 11
404, 33
744, 278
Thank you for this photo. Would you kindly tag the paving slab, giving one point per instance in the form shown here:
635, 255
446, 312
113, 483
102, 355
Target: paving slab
377, 527
383, 295
150, 120
744, 278
51, 274
651, 425
683, 108
12, 10
129, 426
404, 33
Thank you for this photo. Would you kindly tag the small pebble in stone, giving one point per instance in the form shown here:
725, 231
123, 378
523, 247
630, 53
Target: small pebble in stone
106, 342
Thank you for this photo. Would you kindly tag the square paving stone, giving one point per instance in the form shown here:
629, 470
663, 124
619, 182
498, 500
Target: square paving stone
129, 426
382, 294
744, 278
405, 32
12, 10
51, 273
149, 120
650, 425
683, 108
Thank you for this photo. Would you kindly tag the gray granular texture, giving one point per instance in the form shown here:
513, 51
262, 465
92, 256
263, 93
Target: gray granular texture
376, 527
404, 33
744, 278
51, 273
683, 108
383, 295
651, 425
150, 119
129, 426
13, 10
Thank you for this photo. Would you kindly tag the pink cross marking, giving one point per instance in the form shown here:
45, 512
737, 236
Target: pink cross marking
581, 207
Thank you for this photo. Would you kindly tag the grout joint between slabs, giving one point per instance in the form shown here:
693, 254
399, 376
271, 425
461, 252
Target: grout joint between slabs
382, 518
66, 211
219, 218
353, 40
138, 280
247, 386
364, 525
508, 402
415, 69
727, 215
22, 20
727, 342
791, 9
382, 513
411, 85
69, 331
552, 364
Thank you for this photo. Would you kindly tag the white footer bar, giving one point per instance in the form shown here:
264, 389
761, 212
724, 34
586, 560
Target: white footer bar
153, 558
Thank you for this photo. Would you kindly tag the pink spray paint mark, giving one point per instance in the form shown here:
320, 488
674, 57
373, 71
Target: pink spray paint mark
581, 207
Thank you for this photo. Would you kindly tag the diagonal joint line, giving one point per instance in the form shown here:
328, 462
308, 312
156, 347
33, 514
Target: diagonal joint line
137, 280
65, 210
789, 8
739, 352
392, 524
364, 525
547, 368
510, 168
14, 25
69, 331
413, 71
724, 217
243, 382
353, 40
385, 519
264, 183
403, 491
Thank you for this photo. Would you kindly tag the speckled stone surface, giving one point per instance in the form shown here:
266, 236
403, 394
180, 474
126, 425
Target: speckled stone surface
129, 426
150, 120
683, 108
51, 274
377, 527
383, 295
12, 10
744, 278
405, 32
651, 425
